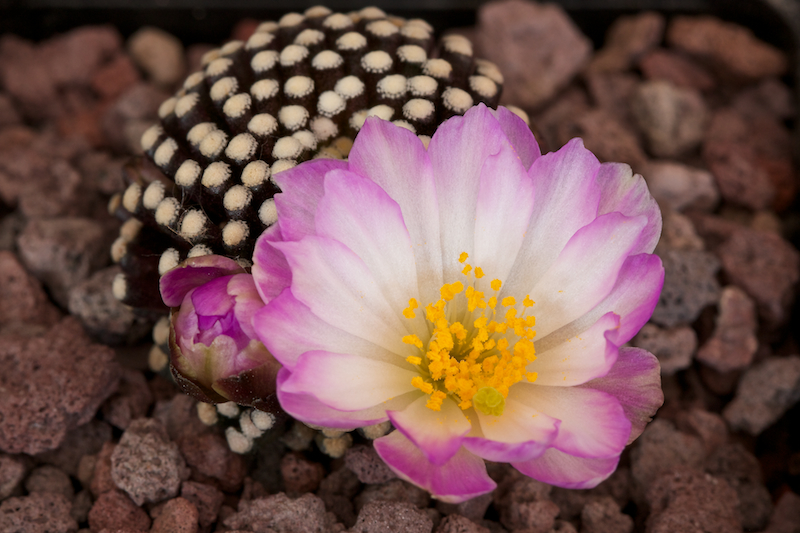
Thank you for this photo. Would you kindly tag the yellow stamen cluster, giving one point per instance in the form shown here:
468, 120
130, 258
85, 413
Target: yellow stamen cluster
475, 363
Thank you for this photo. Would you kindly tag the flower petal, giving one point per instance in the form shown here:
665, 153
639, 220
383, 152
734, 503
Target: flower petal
635, 381
437, 433
585, 271
520, 135
566, 199
212, 298
564, 470
347, 382
593, 423
505, 203
270, 270
337, 286
519, 434
463, 477
192, 273
396, 160
302, 188
586, 356
628, 194
359, 214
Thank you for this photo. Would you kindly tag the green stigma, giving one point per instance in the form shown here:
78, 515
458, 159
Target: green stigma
489, 401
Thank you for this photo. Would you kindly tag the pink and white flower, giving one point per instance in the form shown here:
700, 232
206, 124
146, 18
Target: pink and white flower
476, 293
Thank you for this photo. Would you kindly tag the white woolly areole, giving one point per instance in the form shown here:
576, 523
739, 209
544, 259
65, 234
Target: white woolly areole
327, 59
483, 86
186, 104
228, 409
422, 86
298, 86
168, 260
351, 41
337, 21
150, 136
237, 198
199, 131
414, 31
219, 66
456, 99
330, 103
520, 113
411, 53
324, 128
118, 249
255, 173
130, 229
161, 328
230, 47
131, 197
241, 148
306, 138
262, 124
282, 164
371, 12
235, 232
293, 117
165, 151
418, 109
153, 195
317, 11
381, 111
259, 39
209, 56
349, 87
426, 140
207, 413
419, 23
237, 105
262, 420
438, 68
187, 173
216, 174
264, 61
119, 287
376, 61
309, 37
193, 224
167, 211
167, 107
249, 429
358, 118
489, 69
193, 80
382, 28
405, 125
268, 213
393, 86
457, 44
199, 250
293, 54
223, 88
213, 143
264, 89
290, 19
287, 148
269, 26
237, 442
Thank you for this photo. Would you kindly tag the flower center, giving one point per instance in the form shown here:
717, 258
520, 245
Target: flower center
477, 349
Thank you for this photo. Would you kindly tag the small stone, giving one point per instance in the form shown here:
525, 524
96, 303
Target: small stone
22, 295
786, 515
281, 514
127, 118
458, 524
131, 401
662, 449
533, 517
678, 232
75, 56
537, 47
178, 515
766, 391
609, 139
677, 69
49, 479
555, 124
114, 509
300, 475
146, 464
628, 38
208, 455
474, 509
690, 285
604, 516
766, 267
102, 481
687, 501
102, 172
710, 427
9, 116
28, 79
673, 119
12, 472
395, 490
769, 97
81, 505
159, 54
338, 490
398, 517
733, 343
680, 186
206, 499
86, 439
39, 512
731, 49
674, 347
612, 92
367, 465
115, 77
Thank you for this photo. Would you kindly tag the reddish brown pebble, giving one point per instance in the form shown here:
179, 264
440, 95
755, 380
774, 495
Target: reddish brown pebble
674, 347
282, 514
604, 516
178, 515
37, 513
210, 458
300, 475
398, 517
22, 295
364, 461
205, 498
676, 68
627, 40
12, 472
662, 449
458, 524
101, 477
114, 509
48, 478
734, 342
114, 78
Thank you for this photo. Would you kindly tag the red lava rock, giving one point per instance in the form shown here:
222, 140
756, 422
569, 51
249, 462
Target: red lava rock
114, 510
399, 517
300, 475
674, 347
604, 516
731, 49
22, 295
734, 342
12, 472
678, 232
474, 509
210, 458
536, 47
677, 69
48, 478
672, 119
612, 92
627, 39
710, 427
769, 97
131, 401
9, 115
338, 491
609, 139
39, 512
786, 515
555, 124
115, 77
101, 477
458, 524
63, 252
75, 56
395, 490
765, 392
766, 267
572, 502
28, 78
370, 469
206, 499
533, 517
86, 439
159, 54
130, 115
52, 384
687, 501
690, 284
680, 186
305, 514
178, 515
81, 505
